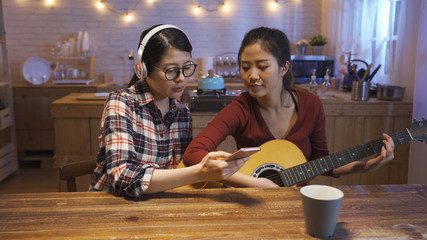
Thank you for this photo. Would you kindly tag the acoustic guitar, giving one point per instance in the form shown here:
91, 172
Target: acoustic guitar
283, 162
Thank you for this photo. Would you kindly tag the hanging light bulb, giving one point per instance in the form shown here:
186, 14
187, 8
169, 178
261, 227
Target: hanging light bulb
128, 17
197, 9
50, 2
100, 4
225, 6
274, 4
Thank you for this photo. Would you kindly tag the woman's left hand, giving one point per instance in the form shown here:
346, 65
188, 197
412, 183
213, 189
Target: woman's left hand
386, 155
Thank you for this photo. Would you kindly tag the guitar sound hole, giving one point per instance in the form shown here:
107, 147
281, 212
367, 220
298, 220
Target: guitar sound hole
269, 171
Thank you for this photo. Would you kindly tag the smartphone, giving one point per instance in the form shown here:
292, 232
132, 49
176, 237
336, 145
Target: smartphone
242, 153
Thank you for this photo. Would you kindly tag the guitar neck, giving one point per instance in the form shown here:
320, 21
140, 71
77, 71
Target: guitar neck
304, 172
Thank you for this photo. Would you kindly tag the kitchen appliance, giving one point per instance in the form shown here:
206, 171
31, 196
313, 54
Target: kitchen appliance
210, 82
211, 100
390, 93
303, 65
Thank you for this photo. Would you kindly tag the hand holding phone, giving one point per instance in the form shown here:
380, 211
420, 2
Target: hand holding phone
242, 153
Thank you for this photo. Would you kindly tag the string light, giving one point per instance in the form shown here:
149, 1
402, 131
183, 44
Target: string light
100, 5
225, 6
273, 5
128, 17
208, 7
197, 9
50, 2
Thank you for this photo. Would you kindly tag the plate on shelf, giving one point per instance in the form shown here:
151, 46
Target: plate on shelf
36, 71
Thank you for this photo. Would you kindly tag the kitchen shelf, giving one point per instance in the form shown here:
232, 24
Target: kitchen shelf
6, 119
70, 58
84, 64
8, 153
5, 148
73, 81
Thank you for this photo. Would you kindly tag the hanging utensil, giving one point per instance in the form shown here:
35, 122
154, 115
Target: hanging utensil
354, 70
370, 77
361, 73
365, 75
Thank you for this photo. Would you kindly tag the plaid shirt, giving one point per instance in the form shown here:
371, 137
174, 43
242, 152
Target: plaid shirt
134, 141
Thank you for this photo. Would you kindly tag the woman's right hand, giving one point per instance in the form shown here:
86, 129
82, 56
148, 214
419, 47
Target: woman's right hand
264, 182
211, 168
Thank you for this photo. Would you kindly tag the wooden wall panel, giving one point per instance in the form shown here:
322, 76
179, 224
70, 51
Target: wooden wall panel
95, 125
34, 125
74, 135
35, 140
348, 132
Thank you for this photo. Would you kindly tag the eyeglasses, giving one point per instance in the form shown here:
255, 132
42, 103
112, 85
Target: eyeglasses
173, 73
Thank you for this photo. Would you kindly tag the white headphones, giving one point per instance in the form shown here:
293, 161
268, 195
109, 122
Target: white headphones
140, 68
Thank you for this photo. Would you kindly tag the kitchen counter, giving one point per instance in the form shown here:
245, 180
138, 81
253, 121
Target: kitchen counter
348, 123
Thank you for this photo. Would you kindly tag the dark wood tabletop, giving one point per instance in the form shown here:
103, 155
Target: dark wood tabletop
378, 211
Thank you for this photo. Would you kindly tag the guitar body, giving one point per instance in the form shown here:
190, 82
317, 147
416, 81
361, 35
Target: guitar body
275, 155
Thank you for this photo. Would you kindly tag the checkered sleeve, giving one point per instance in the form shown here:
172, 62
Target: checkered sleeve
127, 176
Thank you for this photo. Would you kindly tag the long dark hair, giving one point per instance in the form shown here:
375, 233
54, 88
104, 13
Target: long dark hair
275, 42
159, 44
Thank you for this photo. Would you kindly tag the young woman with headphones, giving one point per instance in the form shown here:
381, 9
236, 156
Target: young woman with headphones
145, 130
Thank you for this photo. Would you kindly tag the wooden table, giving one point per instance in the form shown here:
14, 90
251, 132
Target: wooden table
377, 211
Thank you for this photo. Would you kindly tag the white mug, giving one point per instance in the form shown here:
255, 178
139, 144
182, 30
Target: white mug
321, 205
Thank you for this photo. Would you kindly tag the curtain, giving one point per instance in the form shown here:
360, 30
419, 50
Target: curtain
370, 30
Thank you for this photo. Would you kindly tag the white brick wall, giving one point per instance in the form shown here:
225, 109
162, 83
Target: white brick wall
33, 28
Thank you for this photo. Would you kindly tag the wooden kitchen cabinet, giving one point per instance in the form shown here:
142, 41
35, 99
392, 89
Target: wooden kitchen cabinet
348, 123
201, 120
34, 126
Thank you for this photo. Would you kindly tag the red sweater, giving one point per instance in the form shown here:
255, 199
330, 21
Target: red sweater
243, 120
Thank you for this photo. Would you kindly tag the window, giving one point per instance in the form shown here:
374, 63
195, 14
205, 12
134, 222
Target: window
372, 30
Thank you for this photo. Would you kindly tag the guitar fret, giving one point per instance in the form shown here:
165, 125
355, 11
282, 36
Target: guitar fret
293, 175
306, 171
303, 172
282, 176
351, 153
361, 152
299, 178
317, 170
370, 148
289, 177
340, 158
322, 168
335, 163
400, 139
323, 164
331, 162
309, 171
337, 160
